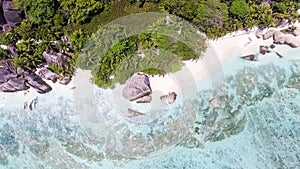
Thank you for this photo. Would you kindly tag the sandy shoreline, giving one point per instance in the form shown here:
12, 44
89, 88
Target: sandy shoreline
230, 47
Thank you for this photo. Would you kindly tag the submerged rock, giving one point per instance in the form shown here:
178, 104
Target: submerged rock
137, 86
250, 57
272, 46
133, 113
279, 55
264, 49
169, 98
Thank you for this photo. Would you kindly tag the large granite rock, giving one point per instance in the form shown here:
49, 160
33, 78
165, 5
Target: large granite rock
5, 75
279, 38
13, 85
12, 17
289, 39
292, 41
9, 16
38, 83
137, 86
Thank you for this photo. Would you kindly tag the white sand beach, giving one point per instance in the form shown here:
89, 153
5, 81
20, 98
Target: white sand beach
227, 49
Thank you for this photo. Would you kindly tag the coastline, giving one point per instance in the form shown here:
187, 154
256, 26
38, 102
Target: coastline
227, 50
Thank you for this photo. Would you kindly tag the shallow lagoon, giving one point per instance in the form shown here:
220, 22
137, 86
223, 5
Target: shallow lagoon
256, 126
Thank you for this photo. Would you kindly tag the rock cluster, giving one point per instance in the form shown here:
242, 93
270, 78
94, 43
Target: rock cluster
138, 89
282, 38
9, 16
12, 80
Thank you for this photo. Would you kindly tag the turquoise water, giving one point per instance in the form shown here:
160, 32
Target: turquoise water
256, 126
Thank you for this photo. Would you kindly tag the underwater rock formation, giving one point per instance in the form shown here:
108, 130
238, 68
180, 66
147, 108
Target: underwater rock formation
169, 98
250, 57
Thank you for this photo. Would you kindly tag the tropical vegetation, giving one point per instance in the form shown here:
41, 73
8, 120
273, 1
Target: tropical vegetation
47, 21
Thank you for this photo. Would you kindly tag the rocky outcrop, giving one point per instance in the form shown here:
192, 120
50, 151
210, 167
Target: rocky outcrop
53, 57
291, 40
13, 85
5, 75
137, 86
48, 75
37, 83
296, 31
269, 34
169, 98
9, 16
282, 38
279, 38
10, 79
13, 80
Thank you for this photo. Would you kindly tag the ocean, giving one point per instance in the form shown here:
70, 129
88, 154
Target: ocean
256, 124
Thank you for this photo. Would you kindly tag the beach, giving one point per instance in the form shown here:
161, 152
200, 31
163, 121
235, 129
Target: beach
234, 135
226, 51
223, 56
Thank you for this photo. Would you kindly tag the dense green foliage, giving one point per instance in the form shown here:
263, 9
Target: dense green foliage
115, 51
79, 20
219, 17
239, 9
